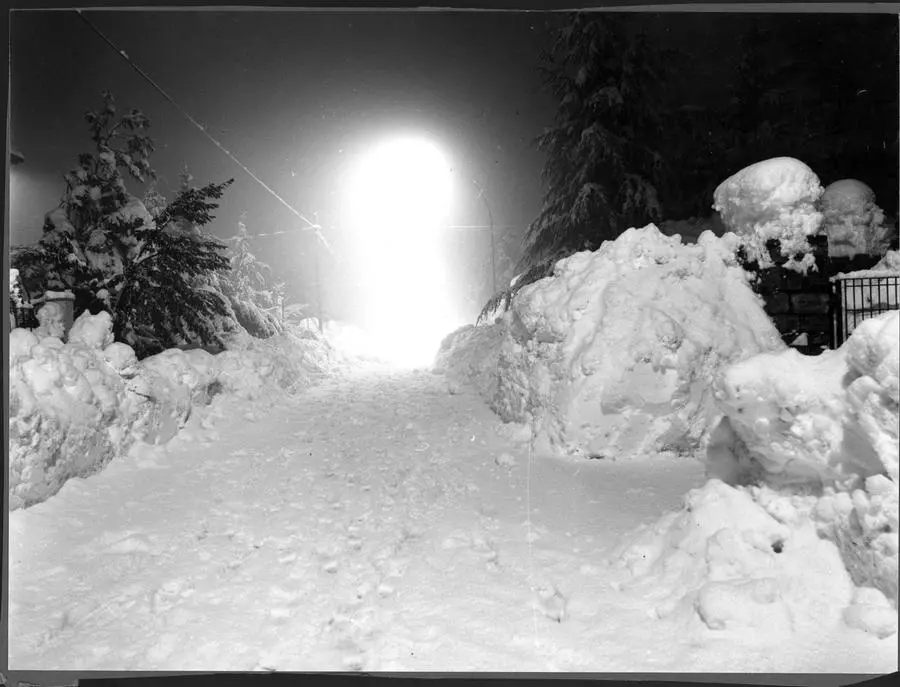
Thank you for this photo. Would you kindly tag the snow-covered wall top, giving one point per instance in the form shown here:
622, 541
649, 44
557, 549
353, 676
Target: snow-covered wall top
772, 200
615, 352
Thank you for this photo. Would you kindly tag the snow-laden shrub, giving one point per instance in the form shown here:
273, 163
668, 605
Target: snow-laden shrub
853, 222
615, 352
772, 200
828, 425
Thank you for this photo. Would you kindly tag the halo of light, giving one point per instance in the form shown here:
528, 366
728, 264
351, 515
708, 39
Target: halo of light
398, 201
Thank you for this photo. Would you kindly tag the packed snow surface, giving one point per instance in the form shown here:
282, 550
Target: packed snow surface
376, 522
614, 354
772, 200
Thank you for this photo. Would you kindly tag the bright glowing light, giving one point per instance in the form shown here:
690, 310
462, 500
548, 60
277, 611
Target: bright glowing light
398, 201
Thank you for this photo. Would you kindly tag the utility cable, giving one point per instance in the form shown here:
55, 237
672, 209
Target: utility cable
310, 225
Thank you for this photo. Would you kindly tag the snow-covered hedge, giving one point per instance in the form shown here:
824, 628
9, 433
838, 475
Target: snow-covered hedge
777, 200
614, 353
75, 406
828, 426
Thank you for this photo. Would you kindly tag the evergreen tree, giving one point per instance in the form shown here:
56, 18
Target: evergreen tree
601, 162
248, 288
104, 245
603, 165
166, 294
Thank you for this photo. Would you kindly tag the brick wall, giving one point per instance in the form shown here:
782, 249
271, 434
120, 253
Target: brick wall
798, 304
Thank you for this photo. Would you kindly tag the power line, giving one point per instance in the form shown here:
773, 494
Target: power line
310, 225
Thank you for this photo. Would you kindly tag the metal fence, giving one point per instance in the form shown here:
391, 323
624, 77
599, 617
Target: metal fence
861, 298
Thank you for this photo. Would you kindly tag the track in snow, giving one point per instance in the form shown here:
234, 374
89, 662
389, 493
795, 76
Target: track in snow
368, 524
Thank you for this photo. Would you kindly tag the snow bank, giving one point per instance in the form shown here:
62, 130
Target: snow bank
615, 352
64, 408
828, 426
745, 560
469, 357
853, 222
772, 200
75, 406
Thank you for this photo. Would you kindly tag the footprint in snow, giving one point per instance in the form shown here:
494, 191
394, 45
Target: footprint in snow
551, 602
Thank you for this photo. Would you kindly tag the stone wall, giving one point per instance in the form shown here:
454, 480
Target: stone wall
804, 304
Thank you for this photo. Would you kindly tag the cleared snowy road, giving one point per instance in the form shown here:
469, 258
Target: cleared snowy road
376, 522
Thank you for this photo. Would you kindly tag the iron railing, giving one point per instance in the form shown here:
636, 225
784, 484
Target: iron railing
861, 298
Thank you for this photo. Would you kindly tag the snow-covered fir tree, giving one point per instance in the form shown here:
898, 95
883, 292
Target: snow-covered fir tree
104, 245
249, 286
603, 166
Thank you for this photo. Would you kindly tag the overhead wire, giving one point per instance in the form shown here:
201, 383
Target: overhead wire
310, 226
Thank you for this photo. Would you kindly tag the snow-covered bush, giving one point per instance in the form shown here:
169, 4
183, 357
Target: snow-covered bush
103, 244
248, 287
772, 200
615, 352
828, 426
853, 222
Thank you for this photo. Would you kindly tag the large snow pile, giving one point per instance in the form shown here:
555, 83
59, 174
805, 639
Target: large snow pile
615, 352
76, 405
772, 200
828, 426
853, 222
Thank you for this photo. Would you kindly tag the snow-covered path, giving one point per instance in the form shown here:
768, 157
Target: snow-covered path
375, 522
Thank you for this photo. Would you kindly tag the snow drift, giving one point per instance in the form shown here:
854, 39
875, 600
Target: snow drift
75, 406
615, 352
797, 527
828, 425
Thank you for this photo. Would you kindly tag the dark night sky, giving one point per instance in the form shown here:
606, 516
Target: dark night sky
295, 95
292, 95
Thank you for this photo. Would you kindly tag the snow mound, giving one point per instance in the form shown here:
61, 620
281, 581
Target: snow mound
829, 419
93, 331
64, 415
748, 560
827, 425
772, 200
51, 320
469, 357
853, 222
615, 352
